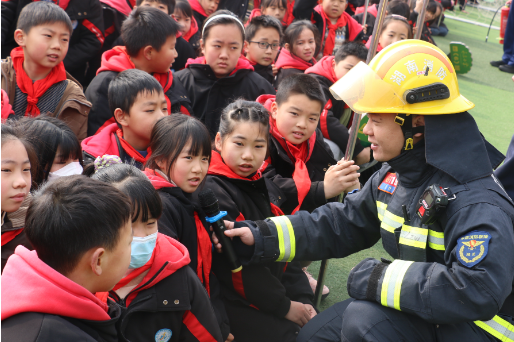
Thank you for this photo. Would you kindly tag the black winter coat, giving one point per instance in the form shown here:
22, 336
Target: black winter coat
210, 95
265, 72
281, 169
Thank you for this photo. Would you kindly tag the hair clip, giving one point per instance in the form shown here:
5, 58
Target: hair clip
397, 16
106, 160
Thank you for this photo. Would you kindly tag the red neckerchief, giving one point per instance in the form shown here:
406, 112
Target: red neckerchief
324, 68
242, 63
331, 38
34, 90
299, 154
10, 235
6, 106
218, 167
195, 6
289, 17
192, 30
118, 60
132, 152
62, 3
204, 255
286, 60
135, 273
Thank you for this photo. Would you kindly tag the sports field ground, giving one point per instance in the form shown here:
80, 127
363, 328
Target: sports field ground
490, 89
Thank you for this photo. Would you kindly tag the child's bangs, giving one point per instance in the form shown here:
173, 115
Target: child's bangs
146, 203
276, 3
69, 148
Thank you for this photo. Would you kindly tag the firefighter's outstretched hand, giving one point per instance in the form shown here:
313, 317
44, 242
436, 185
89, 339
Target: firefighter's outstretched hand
340, 178
244, 233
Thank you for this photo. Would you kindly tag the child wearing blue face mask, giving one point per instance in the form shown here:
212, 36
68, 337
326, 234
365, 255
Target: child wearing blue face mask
57, 148
163, 298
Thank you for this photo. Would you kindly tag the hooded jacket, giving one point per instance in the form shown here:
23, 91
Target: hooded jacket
310, 10
265, 72
178, 222
280, 169
40, 304
210, 95
169, 300
113, 62
336, 114
106, 142
72, 107
288, 64
192, 37
444, 277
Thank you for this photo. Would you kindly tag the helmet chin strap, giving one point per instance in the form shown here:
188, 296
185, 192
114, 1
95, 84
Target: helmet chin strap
405, 122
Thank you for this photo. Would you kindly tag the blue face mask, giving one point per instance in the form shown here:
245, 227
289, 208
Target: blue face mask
142, 249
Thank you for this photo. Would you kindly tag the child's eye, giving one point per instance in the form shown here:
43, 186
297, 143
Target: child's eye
6, 170
313, 119
188, 157
47, 35
294, 114
238, 144
205, 159
259, 146
149, 111
26, 170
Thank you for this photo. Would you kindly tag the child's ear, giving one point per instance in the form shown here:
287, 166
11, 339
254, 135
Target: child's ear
19, 37
274, 110
97, 261
217, 142
121, 117
287, 47
246, 45
173, 16
334, 64
148, 52
161, 163
202, 46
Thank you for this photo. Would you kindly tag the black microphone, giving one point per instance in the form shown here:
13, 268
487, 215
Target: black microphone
209, 204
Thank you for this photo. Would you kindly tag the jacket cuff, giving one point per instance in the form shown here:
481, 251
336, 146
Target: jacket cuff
364, 279
282, 307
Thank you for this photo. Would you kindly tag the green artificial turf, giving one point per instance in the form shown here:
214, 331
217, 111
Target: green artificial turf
491, 90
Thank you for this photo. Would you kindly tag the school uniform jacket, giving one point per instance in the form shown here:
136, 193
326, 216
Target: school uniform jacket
72, 107
178, 222
39, 304
457, 270
169, 301
113, 62
210, 95
257, 286
335, 111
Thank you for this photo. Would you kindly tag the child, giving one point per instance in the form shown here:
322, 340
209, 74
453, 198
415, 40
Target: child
334, 24
149, 36
181, 150
18, 163
84, 44
263, 36
203, 9
273, 8
136, 101
188, 26
394, 28
158, 270
286, 20
337, 115
221, 75
434, 9
34, 76
263, 294
300, 45
80, 248
57, 148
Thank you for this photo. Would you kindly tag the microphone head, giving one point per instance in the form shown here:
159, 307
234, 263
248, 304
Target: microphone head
209, 202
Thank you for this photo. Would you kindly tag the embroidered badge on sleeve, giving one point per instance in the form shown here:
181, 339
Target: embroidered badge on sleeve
472, 248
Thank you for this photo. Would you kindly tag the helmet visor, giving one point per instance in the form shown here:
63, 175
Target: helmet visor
365, 92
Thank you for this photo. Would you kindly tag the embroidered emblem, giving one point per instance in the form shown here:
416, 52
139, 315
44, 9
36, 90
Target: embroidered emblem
163, 335
389, 183
472, 248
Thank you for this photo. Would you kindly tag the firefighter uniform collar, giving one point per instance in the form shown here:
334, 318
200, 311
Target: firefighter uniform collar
455, 146
411, 166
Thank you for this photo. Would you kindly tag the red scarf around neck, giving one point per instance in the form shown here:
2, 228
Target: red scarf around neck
196, 6
331, 38
204, 255
299, 154
34, 90
131, 151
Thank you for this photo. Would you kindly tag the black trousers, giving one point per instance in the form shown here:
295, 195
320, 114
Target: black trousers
359, 320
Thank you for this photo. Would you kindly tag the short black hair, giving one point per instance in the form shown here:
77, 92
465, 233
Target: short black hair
300, 84
145, 200
433, 6
296, 28
355, 49
127, 85
169, 3
42, 12
269, 3
262, 21
184, 7
398, 7
69, 216
147, 26
47, 134
171, 134
221, 21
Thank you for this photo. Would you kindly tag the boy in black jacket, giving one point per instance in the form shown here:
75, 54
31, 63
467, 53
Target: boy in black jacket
150, 37
86, 40
80, 248
262, 43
